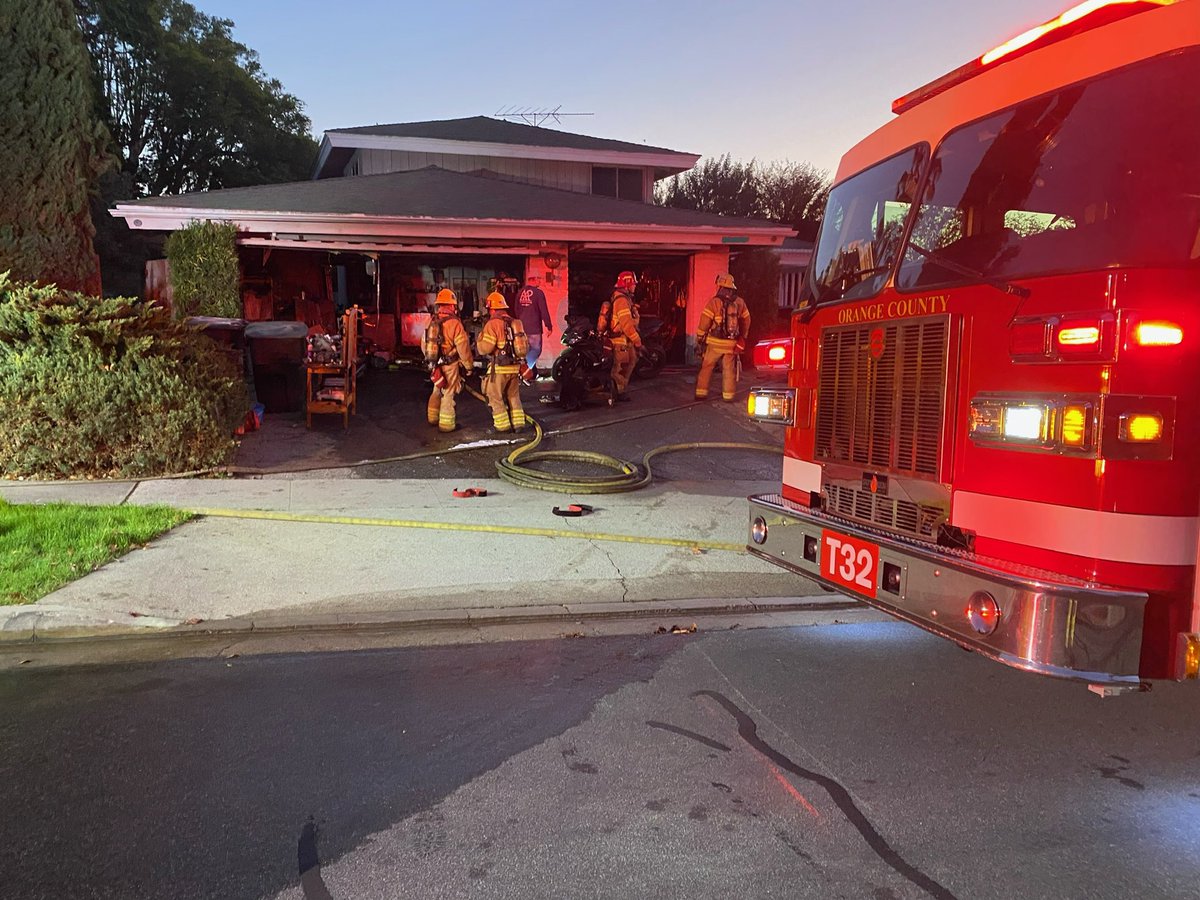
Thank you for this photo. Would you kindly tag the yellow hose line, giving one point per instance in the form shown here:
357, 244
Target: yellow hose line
628, 478
454, 526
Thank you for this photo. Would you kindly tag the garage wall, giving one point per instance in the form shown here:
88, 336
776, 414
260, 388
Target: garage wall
704, 268
556, 298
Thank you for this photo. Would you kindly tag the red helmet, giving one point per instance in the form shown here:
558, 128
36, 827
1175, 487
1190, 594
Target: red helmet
627, 280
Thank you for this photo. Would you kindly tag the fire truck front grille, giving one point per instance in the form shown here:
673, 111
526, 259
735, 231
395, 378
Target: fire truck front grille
895, 515
881, 407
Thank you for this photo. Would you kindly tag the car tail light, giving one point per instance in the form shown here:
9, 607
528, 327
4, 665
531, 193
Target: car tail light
776, 354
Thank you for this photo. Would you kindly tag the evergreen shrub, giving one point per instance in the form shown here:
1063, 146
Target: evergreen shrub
109, 387
205, 280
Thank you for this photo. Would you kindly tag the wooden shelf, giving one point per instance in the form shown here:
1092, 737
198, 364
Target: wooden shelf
341, 376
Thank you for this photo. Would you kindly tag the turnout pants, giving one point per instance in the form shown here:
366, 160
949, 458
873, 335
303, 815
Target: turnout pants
440, 409
624, 359
718, 349
503, 390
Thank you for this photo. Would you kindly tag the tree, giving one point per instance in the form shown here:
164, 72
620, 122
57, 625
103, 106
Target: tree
716, 185
794, 193
790, 193
189, 107
53, 147
756, 271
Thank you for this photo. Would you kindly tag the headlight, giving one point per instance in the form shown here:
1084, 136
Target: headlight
1025, 423
1058, 424
772, 405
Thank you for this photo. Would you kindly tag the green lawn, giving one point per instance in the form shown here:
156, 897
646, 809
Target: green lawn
44, 547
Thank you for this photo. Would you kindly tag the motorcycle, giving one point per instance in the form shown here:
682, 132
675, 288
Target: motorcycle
657, 337
585, 365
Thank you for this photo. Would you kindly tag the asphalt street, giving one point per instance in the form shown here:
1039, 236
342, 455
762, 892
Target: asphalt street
863, 760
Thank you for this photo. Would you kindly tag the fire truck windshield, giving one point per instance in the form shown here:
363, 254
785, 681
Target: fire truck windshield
860, 234
1099, 174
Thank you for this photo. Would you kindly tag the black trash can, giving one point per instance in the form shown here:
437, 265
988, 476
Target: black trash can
228, 334
277, 360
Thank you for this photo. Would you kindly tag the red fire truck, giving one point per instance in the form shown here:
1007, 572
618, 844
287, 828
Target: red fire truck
993, 385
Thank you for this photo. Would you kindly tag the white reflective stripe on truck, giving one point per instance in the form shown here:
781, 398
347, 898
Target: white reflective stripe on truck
1120, 537
801, 474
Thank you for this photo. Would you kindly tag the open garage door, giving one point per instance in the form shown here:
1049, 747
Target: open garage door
661, 292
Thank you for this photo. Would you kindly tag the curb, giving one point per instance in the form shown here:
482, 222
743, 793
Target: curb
268, 625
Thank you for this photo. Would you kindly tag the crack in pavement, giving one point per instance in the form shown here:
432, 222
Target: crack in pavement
748, 731
620, 574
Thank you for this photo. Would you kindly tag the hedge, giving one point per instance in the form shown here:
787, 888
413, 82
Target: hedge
109, 387
204, 270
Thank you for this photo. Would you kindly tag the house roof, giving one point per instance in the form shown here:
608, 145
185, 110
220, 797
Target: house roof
484, 129
485, 136
437, 194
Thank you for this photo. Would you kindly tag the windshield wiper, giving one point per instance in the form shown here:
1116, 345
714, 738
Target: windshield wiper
999, 284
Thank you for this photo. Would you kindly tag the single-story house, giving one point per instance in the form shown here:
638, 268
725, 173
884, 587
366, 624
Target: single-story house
394, 213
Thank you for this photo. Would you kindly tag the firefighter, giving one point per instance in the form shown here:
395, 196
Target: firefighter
617, 323
721, 335
448, 351
504, 340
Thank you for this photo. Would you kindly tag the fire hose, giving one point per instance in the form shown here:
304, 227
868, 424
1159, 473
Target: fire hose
628, 476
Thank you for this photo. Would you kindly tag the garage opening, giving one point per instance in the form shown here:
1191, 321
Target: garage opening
661, 291
395, 290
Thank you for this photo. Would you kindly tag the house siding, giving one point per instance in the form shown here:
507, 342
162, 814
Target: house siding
570, 176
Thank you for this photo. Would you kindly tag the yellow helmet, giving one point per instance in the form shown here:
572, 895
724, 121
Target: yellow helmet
495, 300
446, 297
725, 280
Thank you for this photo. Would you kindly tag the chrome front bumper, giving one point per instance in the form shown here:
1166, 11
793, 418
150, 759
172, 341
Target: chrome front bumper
1049, 624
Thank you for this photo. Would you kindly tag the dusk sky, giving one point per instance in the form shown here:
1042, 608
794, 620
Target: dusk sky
764, 79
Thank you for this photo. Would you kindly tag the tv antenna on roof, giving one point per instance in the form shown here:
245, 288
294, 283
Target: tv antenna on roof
534, 116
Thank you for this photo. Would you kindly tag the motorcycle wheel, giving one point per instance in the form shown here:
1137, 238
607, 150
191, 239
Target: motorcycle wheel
566, 366
650, 363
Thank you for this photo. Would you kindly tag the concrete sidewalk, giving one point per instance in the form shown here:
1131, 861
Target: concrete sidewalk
424, 556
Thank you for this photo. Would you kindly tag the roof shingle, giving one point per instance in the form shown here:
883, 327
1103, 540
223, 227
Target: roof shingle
486, 130
436, 193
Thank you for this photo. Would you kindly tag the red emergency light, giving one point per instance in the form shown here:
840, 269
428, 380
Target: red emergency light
1096, 12
774, 354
